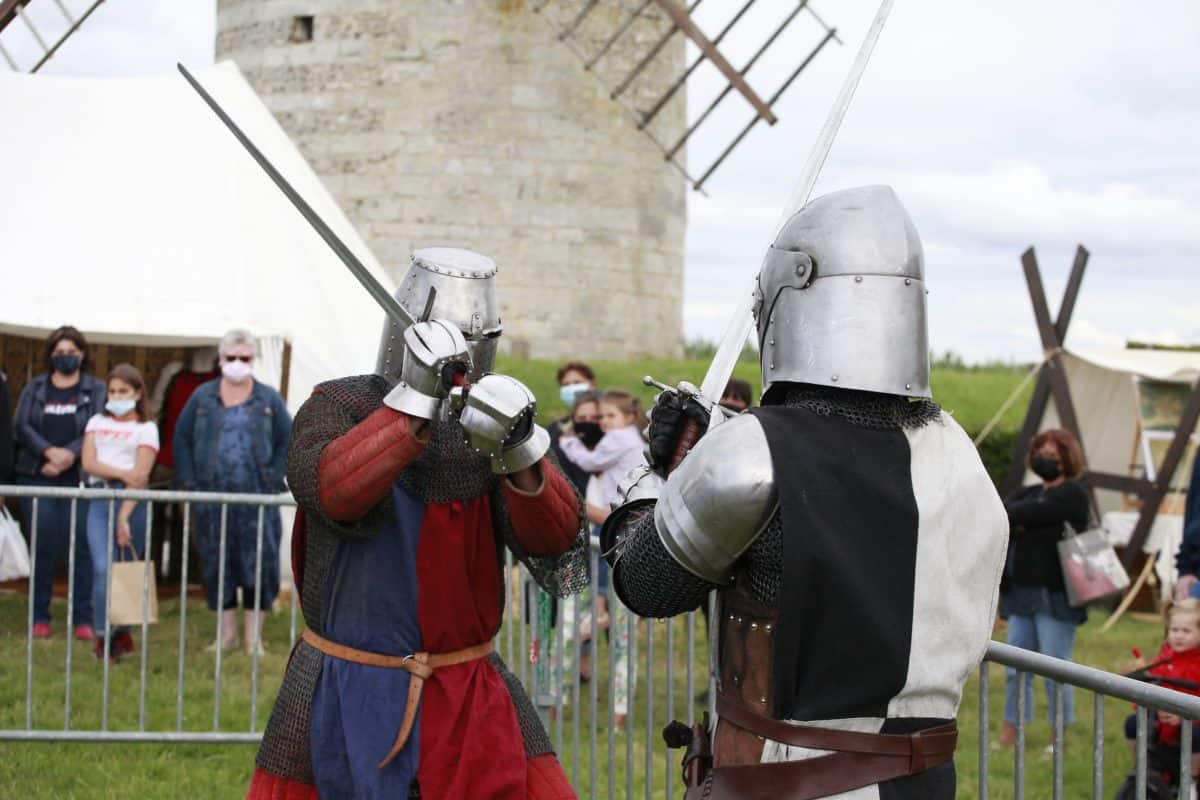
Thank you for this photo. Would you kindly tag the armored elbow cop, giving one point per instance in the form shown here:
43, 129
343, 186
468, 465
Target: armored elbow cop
713, 506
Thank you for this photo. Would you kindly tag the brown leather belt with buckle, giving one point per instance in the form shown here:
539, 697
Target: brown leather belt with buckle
420, 665
859, 759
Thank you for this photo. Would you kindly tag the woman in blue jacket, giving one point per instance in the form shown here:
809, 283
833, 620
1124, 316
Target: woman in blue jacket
51, 415
232, 437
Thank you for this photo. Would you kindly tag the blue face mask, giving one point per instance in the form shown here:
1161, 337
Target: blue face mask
119, 408
569, 392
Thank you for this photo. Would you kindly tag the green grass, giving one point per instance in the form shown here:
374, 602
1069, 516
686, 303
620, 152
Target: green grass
972, 395
69, 770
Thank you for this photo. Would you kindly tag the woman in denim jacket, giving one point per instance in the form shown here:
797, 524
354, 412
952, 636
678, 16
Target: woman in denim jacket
232, 437
53, 411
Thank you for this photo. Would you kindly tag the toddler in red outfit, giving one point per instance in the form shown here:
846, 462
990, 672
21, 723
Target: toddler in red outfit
1177, 666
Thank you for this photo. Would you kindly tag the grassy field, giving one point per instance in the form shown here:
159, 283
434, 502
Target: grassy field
78, 770
972, 395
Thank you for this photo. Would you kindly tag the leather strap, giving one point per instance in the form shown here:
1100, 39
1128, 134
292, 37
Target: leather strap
916, 748
420, 665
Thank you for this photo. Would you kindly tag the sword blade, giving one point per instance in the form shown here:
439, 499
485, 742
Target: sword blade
816, 159
736, 333
381, 295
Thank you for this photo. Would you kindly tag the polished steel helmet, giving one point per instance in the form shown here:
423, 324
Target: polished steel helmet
462, 285
840, 299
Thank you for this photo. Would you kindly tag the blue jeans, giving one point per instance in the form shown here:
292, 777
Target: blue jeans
1044, 634
98, 537
53, 545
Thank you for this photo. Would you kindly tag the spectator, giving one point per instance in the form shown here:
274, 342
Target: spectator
618, 451
737, 395
1187, 560
51, 416
1033, 597
574, 378
119, 448
232, 437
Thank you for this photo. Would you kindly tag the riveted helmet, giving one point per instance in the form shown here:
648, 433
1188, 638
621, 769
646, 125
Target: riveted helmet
840, 298
463, 286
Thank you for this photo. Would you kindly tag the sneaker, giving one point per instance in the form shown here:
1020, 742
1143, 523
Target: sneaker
225, 647
41, 630
123, 643
85, 633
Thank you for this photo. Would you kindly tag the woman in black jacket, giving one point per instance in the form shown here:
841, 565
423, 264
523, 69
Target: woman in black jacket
1033, 596
53, 411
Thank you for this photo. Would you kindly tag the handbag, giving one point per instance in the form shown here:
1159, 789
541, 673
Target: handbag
1091, 569
133, 591
14, 552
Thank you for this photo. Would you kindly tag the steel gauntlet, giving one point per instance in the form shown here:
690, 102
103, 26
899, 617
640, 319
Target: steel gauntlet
497, 414
435, 353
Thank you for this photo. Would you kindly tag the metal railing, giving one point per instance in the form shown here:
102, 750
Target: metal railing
663, 667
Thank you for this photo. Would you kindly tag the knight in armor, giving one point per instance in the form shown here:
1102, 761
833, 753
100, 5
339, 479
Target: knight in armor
410, 483
847, 526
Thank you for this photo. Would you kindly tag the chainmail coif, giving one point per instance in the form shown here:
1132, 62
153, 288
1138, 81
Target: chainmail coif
653, 584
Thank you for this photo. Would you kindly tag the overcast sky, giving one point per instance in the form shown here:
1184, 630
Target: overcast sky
999, 126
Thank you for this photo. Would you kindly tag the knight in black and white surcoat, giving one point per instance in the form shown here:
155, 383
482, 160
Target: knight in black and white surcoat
853, 537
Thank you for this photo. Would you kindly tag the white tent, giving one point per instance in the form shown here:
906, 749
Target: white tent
128, 210
1104, 391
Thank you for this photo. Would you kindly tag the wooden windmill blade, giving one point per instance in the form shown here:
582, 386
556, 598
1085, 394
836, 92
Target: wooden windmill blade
570, 21
12, 11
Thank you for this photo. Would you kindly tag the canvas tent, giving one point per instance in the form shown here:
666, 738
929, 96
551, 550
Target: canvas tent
129, 211
1128, 403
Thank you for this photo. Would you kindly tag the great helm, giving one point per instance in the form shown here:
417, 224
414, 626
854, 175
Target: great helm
840, 299
465, 284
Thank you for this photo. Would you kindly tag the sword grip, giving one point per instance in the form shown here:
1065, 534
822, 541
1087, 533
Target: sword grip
689, 434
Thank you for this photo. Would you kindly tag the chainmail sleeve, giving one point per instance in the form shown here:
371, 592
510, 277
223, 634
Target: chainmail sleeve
318, 422
560, 575
648, 581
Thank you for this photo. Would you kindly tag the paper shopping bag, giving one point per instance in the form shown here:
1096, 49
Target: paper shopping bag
132, 588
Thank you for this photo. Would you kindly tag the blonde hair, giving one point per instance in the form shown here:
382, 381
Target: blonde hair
627, 404
1189, 606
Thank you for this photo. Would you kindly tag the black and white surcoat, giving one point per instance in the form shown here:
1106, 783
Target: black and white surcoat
872, 581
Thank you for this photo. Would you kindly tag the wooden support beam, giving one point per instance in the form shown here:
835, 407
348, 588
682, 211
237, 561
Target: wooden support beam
8, 11
683, 21
1042, 390
1162, 482
1117, 483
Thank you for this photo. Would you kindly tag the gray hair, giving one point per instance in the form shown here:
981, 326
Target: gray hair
233, 338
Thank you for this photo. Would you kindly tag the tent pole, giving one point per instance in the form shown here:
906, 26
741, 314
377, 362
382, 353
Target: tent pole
1162, 481
285, 373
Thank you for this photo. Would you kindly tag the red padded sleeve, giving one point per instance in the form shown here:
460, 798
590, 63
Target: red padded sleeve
357, 469
545, 522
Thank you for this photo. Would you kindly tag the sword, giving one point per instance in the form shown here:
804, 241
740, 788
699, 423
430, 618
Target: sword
381, 295
738, 329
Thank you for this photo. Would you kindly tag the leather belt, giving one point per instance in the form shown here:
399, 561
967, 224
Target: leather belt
859, 759
419, 665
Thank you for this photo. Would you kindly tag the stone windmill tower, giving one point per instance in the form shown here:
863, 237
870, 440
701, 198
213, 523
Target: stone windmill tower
470, 122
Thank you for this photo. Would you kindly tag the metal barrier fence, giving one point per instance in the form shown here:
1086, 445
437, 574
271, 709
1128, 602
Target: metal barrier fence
545, 644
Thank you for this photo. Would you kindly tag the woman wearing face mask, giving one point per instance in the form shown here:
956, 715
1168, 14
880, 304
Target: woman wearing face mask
1033, 597
119, 448
52, 413
232, 437
574, 379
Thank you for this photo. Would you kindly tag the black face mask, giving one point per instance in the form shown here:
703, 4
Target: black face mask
1045, 468
589, 433
67, 365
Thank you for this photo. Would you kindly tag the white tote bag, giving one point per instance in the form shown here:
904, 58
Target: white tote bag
14, 552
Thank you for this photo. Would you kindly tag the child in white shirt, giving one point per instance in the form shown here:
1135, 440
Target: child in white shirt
119, 448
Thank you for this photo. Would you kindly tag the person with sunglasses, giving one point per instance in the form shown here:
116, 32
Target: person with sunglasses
232, 437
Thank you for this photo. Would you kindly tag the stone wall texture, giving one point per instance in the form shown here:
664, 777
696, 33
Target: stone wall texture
469, 123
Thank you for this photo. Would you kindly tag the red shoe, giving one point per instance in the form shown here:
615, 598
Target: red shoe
85, 633
98, 650
41, 630
122, 644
